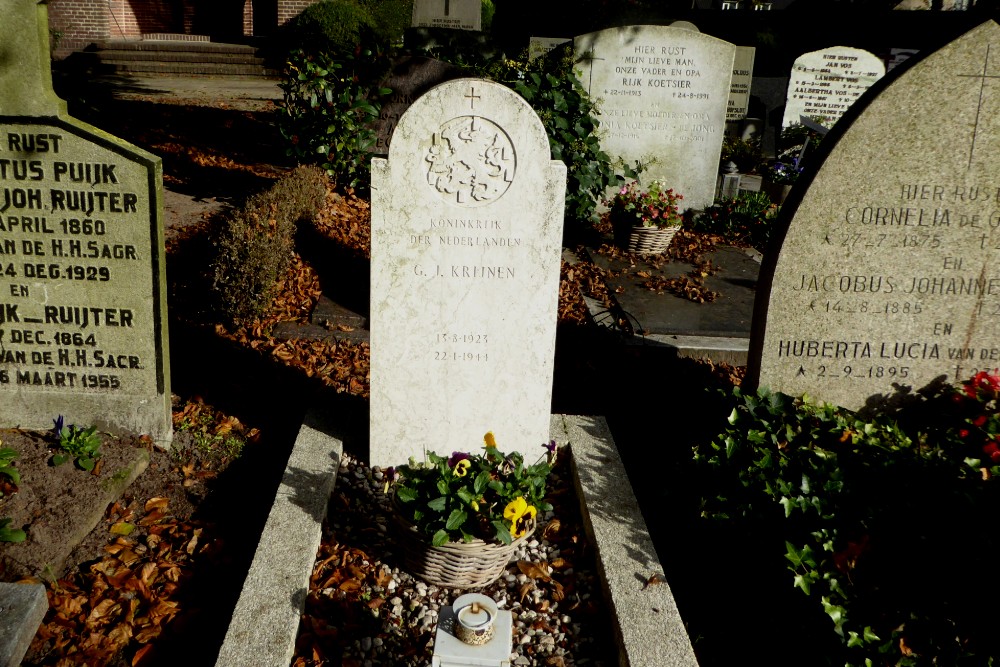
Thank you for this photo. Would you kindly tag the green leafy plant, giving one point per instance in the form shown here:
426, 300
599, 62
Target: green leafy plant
8, 534
326, 116
490, 496
748, 218
82, 446
7, 458
878, 517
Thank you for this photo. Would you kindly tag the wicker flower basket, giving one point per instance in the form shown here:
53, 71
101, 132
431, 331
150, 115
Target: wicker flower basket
453, 564
645, 239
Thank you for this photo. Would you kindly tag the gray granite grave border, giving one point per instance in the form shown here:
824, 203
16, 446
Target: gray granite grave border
647, 625
22, 608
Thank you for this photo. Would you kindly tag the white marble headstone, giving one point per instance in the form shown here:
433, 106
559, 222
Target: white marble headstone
739, 88
827, 82
456, 14
467, 216
887, 275
663, 93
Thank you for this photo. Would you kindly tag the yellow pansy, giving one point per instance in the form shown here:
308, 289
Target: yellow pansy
521, 516
462, 468
490, 440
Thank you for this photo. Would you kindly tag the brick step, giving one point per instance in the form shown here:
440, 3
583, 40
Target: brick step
158, 67
173, 45
116, 56
168, 56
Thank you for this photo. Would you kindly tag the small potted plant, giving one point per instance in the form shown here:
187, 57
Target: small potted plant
779, 178
458, 519
644, 220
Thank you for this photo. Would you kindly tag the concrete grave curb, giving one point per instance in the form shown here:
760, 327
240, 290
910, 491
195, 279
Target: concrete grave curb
648, 627
265, 622
22, 608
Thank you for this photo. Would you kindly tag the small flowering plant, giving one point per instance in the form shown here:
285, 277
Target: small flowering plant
783, 173
491, 496
654, 207
978, 401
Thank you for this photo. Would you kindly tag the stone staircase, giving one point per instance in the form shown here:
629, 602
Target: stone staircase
178, 54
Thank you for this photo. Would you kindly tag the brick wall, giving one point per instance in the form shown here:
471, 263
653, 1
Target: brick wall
80, 22
123, 23
248, 18
289, 9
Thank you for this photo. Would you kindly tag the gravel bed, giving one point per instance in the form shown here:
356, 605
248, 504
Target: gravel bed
363, 611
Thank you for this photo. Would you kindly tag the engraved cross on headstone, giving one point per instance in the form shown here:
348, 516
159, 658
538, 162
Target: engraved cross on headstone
25, 65
447, 7
472, 97
589, 56
982, 93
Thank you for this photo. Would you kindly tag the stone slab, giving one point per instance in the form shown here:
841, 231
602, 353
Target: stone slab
450, 651
22, 608
84, 329
456, 14
647, 624
467, 216
827, 82
886, 275
265, 622
651, 313
663, 94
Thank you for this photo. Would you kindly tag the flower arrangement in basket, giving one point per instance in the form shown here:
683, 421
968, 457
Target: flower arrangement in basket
460, 518
644, 220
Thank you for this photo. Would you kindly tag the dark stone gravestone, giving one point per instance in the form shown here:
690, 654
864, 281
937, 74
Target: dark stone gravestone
887, 275
83, 314
411, 77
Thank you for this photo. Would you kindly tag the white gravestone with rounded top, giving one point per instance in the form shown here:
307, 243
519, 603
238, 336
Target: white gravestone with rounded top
83, 309
826, 83
663, 95
466, 247
887, 276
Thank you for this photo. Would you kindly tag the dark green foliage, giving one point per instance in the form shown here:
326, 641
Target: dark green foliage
888, 529
254, 246
747, 219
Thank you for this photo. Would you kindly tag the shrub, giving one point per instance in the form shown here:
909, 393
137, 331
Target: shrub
253, 247
749, 219
391, 18
333, 27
